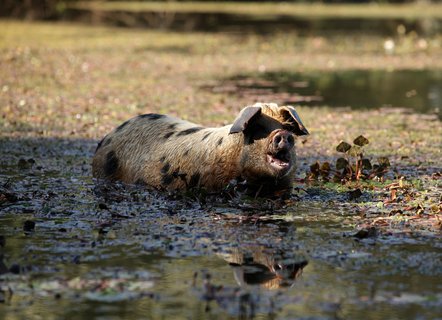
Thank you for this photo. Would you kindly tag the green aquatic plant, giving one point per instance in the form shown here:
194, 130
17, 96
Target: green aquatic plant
352, 166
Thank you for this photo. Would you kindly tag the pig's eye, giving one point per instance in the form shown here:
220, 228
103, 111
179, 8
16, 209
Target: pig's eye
290, 139
256, 132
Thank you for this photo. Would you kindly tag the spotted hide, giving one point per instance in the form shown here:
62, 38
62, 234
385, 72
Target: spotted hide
172, 154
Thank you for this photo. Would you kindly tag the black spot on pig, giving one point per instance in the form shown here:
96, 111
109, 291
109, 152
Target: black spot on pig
189, 131
168, 135
220, 141
121, 126
99, 145
104, 142
151, 116
186, 153
162, 158
172, 126
166, 168
107, 141
167, 179
111, 164
194, 180
205, 136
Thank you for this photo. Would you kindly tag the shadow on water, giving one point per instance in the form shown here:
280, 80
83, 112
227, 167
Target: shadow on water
417, 90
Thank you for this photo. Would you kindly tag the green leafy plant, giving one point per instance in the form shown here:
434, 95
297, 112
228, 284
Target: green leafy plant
353, 165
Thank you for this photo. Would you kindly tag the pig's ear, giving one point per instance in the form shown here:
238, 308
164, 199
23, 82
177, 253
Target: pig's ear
296, 125
244, 118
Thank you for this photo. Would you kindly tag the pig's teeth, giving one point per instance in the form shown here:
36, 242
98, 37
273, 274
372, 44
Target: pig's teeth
277, 163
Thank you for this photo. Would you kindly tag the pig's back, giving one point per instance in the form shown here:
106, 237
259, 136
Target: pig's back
126, 149
165, 152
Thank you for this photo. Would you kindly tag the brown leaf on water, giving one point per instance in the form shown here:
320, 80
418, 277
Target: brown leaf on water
370, 232
393, 194
436, 176
354, 194
7, 197
23, 164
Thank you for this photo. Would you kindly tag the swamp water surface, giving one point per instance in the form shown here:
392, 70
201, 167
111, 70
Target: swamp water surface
114, 252
416, 90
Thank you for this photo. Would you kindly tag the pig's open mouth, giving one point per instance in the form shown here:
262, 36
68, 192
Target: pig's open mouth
279, 160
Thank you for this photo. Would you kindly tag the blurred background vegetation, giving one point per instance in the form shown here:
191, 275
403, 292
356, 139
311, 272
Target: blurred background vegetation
56, 9
382, 17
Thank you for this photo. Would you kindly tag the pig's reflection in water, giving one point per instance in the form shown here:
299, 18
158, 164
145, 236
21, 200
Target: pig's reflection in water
266, 269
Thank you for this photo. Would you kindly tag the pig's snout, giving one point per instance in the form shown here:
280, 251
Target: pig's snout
280, 151
283, 140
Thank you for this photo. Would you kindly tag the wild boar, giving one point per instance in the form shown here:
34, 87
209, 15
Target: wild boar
168, 153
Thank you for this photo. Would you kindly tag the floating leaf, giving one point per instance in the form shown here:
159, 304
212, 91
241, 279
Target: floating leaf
366, 164
343, 147
384, 162
341, 163
361, 141
366, 233
28, 226
354, 194
23, 164
355, 151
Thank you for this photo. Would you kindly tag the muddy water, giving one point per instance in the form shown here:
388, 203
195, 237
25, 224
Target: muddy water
117, 253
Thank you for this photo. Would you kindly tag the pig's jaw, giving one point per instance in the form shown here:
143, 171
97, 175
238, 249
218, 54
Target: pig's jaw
279, 161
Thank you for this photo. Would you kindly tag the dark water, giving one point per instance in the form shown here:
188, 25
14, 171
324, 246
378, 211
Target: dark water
419, 91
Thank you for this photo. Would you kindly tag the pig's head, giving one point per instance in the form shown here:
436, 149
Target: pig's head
268, 155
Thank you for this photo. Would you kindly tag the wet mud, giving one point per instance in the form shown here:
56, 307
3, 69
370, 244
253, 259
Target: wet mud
74, 248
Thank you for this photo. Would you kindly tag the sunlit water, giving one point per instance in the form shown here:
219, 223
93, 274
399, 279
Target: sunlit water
416, 90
